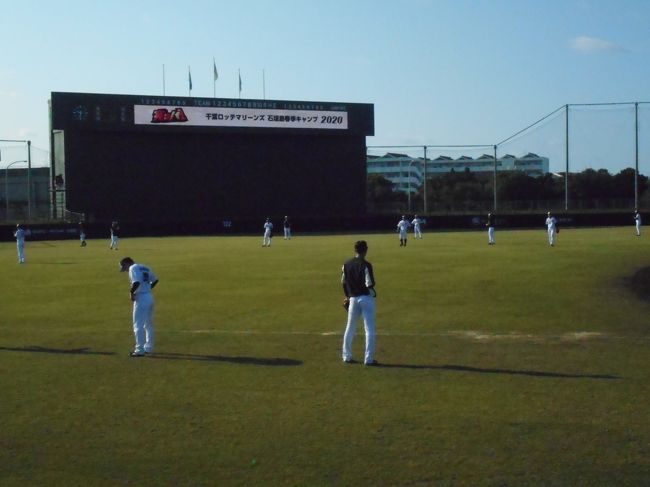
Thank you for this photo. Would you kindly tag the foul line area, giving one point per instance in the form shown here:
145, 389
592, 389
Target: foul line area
479, 336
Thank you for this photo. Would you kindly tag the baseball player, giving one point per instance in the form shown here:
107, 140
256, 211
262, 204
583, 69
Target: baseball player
402, 228
417, 227
143, 280
637, 221
268, 233
490, 227
551, 223
287, 228
115, 239
20, 243
82, 234
359, 287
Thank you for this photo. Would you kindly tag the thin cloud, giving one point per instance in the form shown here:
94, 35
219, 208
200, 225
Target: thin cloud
593, 44
10, 94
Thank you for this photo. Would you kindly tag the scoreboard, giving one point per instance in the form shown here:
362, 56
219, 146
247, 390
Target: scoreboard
133, 157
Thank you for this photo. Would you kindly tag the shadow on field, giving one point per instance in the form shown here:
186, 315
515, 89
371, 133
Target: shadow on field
221, 358
532, 373
71, 351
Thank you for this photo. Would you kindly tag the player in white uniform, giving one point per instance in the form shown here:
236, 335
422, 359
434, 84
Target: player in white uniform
551, 223
490, 227
402, 228
143, 280
637, 221
417, 227
20, 243
268, 233
82, 235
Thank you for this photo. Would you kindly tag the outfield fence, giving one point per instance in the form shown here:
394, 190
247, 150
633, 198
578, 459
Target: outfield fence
586, 157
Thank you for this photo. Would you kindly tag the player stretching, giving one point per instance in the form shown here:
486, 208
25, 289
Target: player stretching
637, 221
402, 228
417, 227
143, 280
268, 233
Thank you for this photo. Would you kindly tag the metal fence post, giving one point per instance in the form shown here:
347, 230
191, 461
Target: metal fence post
424, 193
29, 180
636, 155
495, 178
566, 173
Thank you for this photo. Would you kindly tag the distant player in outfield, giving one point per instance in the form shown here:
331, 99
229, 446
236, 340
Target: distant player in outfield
551, 226
490, 227
142, 280
82, 234
359, 287
115, 239
637, 222
402, 228
287, 228
268, 233
417, 227
20, 243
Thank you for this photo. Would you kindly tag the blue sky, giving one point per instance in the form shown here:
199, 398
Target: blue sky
438, 72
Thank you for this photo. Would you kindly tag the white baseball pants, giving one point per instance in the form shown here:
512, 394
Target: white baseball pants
143, 322
267, 239
417, 233
491, 235
360, 306
114, 242
638, 228
551, 236
21, 251
287, 232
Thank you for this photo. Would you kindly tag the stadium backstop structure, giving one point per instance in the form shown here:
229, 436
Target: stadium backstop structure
163, 158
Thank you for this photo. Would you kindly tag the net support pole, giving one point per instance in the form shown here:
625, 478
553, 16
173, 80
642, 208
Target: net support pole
636, 155
29, 180
566, 157
424, 182
494, 176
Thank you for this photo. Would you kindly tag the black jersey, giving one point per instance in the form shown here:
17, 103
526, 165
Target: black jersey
490, 222
358, 278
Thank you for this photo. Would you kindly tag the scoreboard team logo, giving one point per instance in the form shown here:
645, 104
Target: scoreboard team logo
162, 115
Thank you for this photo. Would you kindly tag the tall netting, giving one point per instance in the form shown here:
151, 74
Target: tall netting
24, 182
602, 158
644, 154
532, 165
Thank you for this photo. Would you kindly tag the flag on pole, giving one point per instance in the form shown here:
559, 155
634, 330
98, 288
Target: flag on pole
189, 77
214, 66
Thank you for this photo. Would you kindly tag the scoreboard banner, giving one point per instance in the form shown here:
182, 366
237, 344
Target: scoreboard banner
239, 117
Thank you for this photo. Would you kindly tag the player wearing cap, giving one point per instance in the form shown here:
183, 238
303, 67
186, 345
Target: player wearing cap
490, 227
637, 222
268, 233
402, 228
20, 243
551, 223
115, 239
143, 280
287, 228
359, 287
417, 227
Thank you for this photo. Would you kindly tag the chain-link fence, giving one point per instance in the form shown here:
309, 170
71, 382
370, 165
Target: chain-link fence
580, 157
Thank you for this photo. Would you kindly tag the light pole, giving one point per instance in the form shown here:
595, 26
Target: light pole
7, 187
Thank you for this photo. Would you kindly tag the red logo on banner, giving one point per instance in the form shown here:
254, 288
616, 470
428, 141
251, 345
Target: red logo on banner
162, 115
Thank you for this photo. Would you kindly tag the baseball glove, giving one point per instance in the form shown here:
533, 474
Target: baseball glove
346, 303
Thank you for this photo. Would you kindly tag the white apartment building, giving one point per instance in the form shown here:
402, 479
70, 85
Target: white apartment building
407, 174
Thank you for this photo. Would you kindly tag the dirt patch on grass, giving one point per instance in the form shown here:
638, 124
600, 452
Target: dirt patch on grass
640, 283
574, 336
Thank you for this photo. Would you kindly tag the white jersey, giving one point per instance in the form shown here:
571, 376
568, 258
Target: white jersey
403, 226
416, 222
144, 275
20, 236
268, 227
637, 218
550, 222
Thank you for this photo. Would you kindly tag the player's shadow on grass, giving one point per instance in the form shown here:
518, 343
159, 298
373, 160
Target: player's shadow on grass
222, 358
65, 351
480, 370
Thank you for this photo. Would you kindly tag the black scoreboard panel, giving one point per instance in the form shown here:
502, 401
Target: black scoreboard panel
158, 170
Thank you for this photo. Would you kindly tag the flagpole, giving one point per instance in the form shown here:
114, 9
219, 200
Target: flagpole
239, 73
214, 78
263, 85
189, 77
163, 80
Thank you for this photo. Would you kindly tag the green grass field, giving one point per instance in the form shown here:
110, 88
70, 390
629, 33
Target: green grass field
511, 365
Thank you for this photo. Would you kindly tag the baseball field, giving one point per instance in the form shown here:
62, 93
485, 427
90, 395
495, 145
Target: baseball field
509, 365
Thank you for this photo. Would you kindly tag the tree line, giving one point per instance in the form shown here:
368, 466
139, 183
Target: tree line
591, 189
